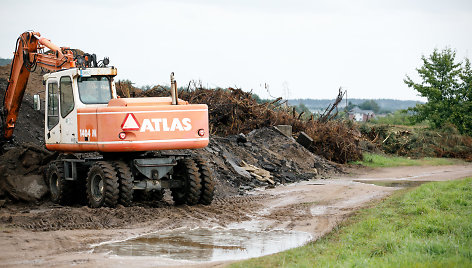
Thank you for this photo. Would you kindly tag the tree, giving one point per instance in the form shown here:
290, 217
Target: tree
350, 106
256, 98
447, 85
370, 105
301, 108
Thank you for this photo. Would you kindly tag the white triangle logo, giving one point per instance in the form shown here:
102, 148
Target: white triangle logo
130, 123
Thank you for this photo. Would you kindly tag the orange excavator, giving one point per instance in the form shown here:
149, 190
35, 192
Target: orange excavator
83, 114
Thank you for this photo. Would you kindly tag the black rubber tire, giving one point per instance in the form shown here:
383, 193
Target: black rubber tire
106, 193
61, 190
187, 171
178, 195
207, 181
125, 183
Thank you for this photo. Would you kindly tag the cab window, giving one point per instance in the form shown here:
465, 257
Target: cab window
94, 89
67, 96
53, 106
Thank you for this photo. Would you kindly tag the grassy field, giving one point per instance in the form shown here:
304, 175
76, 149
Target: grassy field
377, 160
429, 226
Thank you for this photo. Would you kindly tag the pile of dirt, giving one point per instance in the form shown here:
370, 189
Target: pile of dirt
267, 149
22, 173
29, 127
23, 158
35, 81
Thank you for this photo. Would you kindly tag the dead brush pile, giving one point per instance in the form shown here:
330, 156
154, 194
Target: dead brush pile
233, 111
335, 140
419, 141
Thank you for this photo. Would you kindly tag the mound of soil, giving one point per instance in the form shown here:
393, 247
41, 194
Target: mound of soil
30, 123
35, 81
21, 172
265, 148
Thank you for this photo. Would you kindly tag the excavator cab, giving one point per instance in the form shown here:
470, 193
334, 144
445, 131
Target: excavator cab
66, 92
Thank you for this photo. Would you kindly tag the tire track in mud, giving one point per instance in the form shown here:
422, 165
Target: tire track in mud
52, 218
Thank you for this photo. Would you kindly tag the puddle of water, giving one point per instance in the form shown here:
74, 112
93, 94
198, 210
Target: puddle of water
207, 245
318, 210
393, 183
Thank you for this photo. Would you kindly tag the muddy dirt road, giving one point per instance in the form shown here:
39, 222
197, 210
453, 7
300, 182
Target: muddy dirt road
48, 235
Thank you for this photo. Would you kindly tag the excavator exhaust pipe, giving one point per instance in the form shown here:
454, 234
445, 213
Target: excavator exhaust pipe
173, 89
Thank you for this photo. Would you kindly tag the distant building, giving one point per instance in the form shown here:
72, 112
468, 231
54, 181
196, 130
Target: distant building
360, 115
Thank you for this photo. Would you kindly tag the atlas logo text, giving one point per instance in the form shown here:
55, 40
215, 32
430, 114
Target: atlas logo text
163, 124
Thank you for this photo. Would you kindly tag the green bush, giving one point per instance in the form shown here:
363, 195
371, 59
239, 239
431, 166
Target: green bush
400, 117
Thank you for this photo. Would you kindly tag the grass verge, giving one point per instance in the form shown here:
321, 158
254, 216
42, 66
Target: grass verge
377, 160
429, 226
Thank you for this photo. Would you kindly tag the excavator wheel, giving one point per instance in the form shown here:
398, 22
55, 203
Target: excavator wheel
61, 190
125, 182
102, 185
187, 171
207, 181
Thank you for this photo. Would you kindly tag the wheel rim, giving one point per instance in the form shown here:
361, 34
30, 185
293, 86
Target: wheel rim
97, 188
54, 184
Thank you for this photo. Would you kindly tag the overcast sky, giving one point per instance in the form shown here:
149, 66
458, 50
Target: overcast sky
300, 49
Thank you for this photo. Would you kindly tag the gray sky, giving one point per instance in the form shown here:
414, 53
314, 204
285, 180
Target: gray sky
308, 47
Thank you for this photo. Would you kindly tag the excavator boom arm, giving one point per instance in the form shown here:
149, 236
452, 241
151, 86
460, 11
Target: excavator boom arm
29, 54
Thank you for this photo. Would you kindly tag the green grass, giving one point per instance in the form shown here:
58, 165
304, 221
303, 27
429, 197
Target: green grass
429, 226
377, 160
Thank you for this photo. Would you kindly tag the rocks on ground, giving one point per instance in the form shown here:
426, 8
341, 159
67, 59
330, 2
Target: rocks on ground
21, 173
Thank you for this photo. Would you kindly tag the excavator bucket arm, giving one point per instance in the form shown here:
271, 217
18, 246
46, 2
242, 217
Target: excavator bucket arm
28, 55
21, 67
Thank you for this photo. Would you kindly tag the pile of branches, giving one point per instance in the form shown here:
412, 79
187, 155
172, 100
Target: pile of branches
335, 140
332, 110
419, 142
233, 111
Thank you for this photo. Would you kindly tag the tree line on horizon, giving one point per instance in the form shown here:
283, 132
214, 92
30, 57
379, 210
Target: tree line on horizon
379, 106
